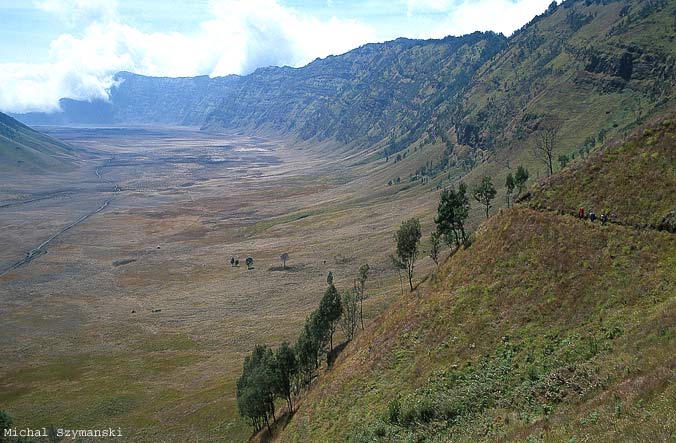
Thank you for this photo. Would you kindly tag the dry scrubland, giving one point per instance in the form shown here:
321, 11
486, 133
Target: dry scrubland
134, 318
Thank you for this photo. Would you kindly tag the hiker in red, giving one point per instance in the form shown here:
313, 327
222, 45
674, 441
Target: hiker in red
581, 213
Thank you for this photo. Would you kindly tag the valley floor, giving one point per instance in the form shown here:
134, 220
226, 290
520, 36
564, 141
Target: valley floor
133, 317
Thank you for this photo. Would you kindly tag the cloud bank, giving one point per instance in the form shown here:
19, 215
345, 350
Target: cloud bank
241, 36
238, 37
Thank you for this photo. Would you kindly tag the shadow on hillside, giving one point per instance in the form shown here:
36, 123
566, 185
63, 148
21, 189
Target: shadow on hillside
289, 268
265, 436
333, 355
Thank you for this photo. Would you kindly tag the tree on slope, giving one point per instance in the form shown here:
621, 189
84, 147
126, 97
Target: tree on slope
360, 287
330, 310
545, 145
520, 179
255, 396
485, 193
350, 318
286, 367
509, 186
408, 241
452, 212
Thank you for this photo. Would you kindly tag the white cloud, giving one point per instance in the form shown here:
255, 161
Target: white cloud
460, 17
240, 37
504, 16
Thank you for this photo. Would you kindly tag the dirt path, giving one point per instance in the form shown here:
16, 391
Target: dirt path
42, 247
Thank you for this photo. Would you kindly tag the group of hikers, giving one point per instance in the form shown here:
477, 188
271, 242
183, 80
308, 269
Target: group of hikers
592, 216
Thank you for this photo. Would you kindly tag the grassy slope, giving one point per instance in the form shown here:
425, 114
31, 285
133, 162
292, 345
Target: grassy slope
546, 329
24, 150
634, 181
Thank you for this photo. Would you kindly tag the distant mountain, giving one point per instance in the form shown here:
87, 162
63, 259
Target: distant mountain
592, 68
368, 93
138, 99
24, 150
376, 91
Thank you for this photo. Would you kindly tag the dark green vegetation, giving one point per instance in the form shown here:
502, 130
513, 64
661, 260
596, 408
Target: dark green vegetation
24, 150
547, 328
283, 374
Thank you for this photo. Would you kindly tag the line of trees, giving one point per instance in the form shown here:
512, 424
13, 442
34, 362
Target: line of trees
268, 376
452, 214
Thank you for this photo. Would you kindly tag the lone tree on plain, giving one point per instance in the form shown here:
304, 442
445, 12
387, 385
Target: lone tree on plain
232, 261
249, 263
360, 287
485, 193
435, 241
408, 241
509, 185
451, 215
284, 258
545, 144
520, 179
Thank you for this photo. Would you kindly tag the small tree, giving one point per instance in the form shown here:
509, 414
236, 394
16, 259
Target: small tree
284, 257
249, 263
307, 352
408, 241
485, 193
236, 262
330, 310
360, 287
435, 246
452, 212
255, 396
509, 185
286, 367
232, 261
563, 160
350, 318
545, 145
520, 179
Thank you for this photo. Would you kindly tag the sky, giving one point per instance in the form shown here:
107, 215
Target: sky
54, 49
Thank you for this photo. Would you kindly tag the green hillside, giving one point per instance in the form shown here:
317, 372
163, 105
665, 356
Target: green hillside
633, 182
24, 150
546, 329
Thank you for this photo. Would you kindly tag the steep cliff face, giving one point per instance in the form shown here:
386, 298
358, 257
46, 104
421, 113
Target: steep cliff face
374, 92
